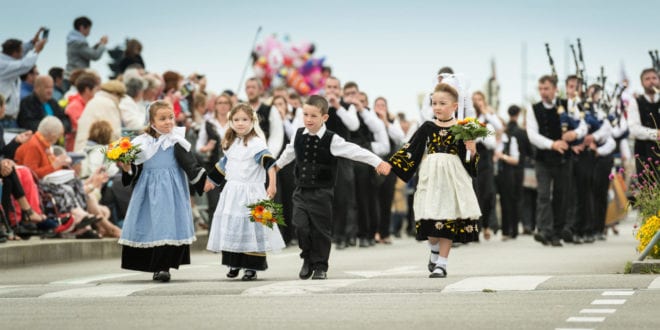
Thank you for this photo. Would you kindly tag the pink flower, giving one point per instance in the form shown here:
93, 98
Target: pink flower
621, 170
611, 176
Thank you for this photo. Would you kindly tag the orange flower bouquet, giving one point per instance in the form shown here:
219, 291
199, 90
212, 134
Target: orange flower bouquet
121, 150
469, 129
267, 213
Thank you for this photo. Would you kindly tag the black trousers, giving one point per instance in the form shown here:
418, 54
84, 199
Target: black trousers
344, 200
484, 186
509, 185
364, 197
385, 197
528, 206
285, 187
553, 183
582, 184
601, 184
312, 216
11, 186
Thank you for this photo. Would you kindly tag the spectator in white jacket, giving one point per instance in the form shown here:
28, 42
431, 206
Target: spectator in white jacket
103, 106
17, 58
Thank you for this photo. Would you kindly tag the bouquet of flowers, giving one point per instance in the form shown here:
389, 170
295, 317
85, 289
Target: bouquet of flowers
267, 213
469, 129
121, 150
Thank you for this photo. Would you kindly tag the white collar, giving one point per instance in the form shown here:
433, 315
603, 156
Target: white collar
656, 98
149, 145
549, 105
320, 133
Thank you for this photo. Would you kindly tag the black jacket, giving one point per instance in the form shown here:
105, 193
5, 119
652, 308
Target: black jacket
31, 112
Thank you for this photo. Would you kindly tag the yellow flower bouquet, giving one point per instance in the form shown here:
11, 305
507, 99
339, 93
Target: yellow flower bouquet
121, 150
267, 213
469, 129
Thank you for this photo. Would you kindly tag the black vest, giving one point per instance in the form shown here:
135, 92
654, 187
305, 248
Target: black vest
316, 167
649, 115
550, 127
264, 119
335, 124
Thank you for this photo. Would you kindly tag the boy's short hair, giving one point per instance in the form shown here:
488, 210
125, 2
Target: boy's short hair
319, 102
513, 110
351, 84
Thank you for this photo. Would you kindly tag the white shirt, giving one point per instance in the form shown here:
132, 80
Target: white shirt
514, 151
395, 133
637, 130
203, 137
338, 148
349, 117
276, 138
11, 70
381, 143
541, 141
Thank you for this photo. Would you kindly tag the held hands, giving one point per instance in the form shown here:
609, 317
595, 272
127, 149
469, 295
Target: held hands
271, 191
560, 146
208, 186
383, 168
569, 136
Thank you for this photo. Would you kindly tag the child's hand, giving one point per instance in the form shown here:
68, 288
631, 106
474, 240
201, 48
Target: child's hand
271, 191
384, 168
208, 186
125, 167
472, 147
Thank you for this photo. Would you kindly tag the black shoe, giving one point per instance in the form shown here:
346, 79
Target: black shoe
305, 271
577, 239
431, 264
526, 231
163, 276
86, 221
438, 272
589, 239
249, 275
540, 238
341, 245
364, 242
567, 236
233, 272
351, 241
556, 242
319, 275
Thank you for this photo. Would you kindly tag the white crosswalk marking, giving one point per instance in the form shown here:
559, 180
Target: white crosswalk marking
608, 302
586, 319
498, 283
299, 287
598, 311
655, 284
618, 293
405, 270
100, 291
96, 278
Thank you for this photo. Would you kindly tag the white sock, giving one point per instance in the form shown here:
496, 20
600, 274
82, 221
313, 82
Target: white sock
442, 262
435, 249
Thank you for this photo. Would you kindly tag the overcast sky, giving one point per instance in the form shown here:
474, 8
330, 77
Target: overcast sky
391, 49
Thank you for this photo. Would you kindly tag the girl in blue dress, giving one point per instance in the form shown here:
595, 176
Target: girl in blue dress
158, 228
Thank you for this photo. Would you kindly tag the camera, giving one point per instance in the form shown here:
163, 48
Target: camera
44, 34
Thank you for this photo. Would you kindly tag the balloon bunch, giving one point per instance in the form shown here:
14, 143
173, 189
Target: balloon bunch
283, 63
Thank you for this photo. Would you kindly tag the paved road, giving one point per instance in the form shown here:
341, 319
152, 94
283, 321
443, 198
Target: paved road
491, 285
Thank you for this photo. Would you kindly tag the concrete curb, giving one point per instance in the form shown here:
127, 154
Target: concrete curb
41, 251
651, 266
